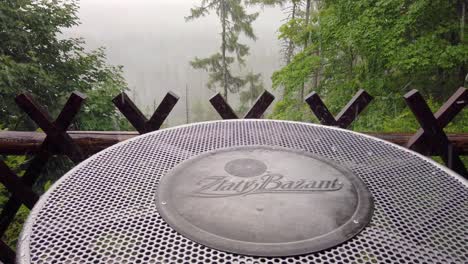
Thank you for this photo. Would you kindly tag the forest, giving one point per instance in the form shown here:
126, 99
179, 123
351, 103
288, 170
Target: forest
332, 47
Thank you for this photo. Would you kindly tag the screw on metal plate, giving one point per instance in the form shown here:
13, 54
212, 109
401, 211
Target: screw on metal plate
163, 202
356, 221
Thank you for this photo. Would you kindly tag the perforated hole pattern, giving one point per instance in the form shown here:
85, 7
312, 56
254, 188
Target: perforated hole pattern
104, 211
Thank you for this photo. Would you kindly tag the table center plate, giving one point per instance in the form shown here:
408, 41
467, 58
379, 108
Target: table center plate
264, 201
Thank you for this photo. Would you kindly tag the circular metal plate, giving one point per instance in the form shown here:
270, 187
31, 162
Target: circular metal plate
264, 201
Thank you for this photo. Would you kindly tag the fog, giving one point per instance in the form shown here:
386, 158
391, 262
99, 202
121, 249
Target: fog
152, 41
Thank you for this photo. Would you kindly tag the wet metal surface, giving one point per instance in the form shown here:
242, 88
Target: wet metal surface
106, 209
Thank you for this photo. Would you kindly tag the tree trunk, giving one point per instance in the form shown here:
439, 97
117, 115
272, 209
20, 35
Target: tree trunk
462, 72
462, 20
223, 48
290, 48
291, 43
307, 20
318, 53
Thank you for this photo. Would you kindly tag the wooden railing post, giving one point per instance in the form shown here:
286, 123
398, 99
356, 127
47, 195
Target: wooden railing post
347, 115
257, 110
57, 140
455, 104
432, 126
7, 255
138, 119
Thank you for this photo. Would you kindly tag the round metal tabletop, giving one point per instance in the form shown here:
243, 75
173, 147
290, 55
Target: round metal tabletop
400, 207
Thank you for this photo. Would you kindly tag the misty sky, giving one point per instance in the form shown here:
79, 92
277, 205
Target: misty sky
151, 39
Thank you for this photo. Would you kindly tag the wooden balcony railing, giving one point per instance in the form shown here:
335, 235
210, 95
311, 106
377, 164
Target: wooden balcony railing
430, 139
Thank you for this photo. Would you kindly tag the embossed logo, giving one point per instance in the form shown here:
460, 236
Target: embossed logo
259, 181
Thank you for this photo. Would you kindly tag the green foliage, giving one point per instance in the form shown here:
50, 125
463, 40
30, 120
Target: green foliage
253, 90
14, 230
34, 60
386, 47
266, 2
11, 235
214, 66
288, 109
234, 21
297, 72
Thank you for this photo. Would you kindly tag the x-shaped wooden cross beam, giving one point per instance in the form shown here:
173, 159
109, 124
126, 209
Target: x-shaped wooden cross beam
347, 115
55, 130
57, 140
7, 255
257, 110
431, 132
138, 119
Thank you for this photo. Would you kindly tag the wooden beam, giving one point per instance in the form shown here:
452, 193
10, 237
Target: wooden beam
57, 139
347, 115
20, 143
223, 108
56, 130
431, 128
13, 183
255, 112
260, 105
7, 255
138, 119
320, 110
454, 105
131, 112
353, 108
161, 113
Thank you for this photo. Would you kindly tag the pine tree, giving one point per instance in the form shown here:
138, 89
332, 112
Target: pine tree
234, 21
252, 92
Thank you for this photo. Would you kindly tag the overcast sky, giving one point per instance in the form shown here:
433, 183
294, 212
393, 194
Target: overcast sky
151, 39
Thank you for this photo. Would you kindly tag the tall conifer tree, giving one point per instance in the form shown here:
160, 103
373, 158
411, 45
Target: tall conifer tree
234, 21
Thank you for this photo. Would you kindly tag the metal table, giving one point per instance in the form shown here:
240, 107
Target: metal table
251, 191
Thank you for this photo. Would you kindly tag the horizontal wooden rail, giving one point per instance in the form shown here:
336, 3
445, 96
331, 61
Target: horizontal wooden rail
19, 143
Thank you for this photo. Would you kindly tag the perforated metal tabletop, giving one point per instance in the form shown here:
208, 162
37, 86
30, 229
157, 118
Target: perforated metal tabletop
213, 192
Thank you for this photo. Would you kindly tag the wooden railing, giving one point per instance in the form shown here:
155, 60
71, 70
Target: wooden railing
91, 142
56, 139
